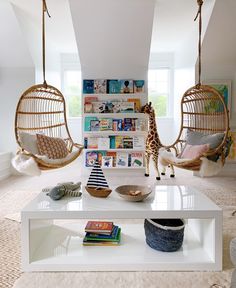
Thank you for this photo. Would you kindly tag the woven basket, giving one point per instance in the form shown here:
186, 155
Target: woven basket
164, 234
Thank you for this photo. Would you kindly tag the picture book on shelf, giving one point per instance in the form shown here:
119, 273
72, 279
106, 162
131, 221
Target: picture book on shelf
139, 86
88, 86
103, 143
113, 155
94, 125
140, 125
118, 142
91, 157
103, 107
117, 124
127, 86
136, 159
99, 227
129, 124
92, 143
137, 104
139, 142
87, 123
128, 142
100, 86
107, 161
113, 86
100, 154
88, 105
106, 124
126, 107
121, 159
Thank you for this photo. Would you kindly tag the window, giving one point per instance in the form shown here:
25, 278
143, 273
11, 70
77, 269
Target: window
159, 90
72, 91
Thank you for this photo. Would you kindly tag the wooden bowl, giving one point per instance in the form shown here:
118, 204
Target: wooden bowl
124, 192
98, 191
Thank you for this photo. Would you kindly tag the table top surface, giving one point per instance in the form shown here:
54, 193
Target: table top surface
162, 199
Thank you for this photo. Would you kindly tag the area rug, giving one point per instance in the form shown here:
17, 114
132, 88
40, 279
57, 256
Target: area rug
222, 191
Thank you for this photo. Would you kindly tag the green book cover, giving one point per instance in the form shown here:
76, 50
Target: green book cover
104, 238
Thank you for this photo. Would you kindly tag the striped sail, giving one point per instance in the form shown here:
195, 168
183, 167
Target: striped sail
97, 178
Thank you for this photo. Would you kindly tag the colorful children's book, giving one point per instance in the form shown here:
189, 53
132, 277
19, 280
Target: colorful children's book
122, 159
87, 123
106, 124
126, 107
117, 124
91, 158
113, 86
137, 104
128, 142
140, 125
100, 86
103, 143
107, 161
129, 124
99, 227
88, 106
119, 142
112, 142
92, 143
88, 86
100, 154
94, 125
139, 142
139, 86
113, 155
102, 237
127, 86
103, 107
136, 159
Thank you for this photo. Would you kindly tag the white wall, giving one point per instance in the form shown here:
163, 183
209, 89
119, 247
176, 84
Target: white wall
219, 48
13, 82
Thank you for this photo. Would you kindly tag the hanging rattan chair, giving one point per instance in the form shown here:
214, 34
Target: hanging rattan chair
41, 109
202, 109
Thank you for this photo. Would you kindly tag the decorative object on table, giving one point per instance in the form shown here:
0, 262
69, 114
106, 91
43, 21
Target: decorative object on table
164, 234
133, 193
42, 110
62, 189
97, 185
101, 233
203, 110
153, 143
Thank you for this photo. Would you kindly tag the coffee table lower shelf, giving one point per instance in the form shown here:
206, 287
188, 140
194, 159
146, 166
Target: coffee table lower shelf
59, 248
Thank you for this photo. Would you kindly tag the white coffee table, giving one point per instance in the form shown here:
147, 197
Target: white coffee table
52, 233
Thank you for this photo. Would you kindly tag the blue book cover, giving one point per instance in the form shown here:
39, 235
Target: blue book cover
113, 86
139, 86
112, 142
88, 86
87, 123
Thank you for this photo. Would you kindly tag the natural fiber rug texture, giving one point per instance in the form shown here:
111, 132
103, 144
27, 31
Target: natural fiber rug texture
221, 190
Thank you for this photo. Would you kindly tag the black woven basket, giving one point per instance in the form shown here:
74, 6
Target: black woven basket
164, 234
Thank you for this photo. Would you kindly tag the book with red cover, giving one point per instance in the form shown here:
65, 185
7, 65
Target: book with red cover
99, 227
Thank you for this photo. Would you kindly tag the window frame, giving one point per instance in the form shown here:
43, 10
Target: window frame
70, 63
159, 61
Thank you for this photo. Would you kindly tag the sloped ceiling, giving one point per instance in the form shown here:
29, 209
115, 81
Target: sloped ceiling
113, 37
14, 51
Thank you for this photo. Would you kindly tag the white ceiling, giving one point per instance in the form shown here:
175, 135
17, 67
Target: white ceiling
172, 26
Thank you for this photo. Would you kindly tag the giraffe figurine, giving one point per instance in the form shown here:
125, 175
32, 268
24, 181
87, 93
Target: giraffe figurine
153, 143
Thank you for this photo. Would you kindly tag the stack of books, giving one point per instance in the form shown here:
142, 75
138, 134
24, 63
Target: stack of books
101, 233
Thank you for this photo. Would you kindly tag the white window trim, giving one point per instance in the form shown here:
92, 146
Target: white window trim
165, 61
70, 62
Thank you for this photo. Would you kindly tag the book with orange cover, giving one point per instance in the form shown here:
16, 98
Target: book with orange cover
99, 227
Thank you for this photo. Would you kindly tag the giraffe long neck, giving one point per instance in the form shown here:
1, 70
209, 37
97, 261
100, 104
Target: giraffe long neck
152, 123
152, 133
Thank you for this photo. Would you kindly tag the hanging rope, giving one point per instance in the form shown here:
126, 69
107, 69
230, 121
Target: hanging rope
45, 9
199, 15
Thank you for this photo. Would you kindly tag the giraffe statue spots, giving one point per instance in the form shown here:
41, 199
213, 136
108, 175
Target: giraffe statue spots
153, 143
